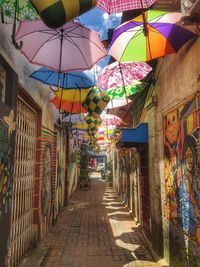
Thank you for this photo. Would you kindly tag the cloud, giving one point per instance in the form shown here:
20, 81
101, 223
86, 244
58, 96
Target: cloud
100, 21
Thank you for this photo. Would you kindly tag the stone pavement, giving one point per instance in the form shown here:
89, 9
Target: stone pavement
95, 230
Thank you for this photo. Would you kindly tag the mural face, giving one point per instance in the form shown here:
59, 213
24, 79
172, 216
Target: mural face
182, 179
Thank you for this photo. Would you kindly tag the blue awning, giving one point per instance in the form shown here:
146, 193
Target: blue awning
138, 134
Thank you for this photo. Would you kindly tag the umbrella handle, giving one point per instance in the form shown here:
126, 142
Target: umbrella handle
13, 36
52, 88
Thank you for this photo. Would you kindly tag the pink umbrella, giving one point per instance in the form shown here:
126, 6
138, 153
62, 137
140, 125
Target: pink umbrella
71, 47
109, 119
116, 6
122, 74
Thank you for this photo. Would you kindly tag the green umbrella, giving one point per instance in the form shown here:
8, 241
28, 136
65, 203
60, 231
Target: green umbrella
22, 9
124, 91
18, 10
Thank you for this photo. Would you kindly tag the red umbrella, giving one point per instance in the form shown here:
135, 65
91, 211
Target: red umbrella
116, 6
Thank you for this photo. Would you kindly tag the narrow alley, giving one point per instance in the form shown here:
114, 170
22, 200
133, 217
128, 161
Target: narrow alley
95, 230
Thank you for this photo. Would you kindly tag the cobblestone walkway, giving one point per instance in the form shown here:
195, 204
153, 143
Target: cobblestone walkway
96, 230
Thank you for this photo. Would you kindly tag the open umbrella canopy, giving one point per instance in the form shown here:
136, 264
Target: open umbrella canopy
151, 35
125, 91
118, 102
66, 80
71, 47
72, 95
74, 118
23, 8
68, 106
110, 119
121, 74
116, 6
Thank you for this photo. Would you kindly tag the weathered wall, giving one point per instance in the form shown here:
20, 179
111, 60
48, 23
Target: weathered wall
46, 143
176, 81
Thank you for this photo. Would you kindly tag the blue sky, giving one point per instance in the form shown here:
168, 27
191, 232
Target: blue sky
100, 22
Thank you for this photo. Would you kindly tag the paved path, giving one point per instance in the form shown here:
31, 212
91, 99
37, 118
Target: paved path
96, 230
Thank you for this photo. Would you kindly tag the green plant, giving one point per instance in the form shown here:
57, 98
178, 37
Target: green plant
110, 171
83, 162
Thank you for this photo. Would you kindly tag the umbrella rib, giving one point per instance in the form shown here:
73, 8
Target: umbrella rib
78, 36
72, 42
48, 40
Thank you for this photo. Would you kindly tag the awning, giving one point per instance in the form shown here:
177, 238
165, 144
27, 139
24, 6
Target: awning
138, 134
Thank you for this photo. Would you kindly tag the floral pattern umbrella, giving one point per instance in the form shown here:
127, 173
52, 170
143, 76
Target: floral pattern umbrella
109, 119
23, 8
68, 48
116, 6
125, 91
121, 74
151, 35
18, 10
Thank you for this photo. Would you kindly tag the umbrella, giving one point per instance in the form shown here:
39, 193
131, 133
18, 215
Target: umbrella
56, 13
70, 100
116, 6
118, 102
67, 106
71, 47
109, 119
21, 9
156, 36
121, 74
124, 91
18, 10
74, 118
68, 80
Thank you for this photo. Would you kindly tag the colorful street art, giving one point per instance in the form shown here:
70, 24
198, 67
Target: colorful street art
7, 127
47, 163
182, 179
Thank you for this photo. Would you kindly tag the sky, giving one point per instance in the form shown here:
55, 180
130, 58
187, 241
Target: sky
100, 22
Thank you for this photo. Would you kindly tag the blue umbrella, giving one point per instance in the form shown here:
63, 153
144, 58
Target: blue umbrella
66, 80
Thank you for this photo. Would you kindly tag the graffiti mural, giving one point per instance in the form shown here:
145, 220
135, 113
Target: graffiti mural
182, 181
60, 172
47, 165
7, 128
46, 183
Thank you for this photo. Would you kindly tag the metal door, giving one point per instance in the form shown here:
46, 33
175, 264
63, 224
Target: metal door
23, 181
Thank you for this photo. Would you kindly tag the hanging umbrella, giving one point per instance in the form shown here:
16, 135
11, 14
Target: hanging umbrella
70, 100
71, 47
74, 118
124, 91
116, 6
56, 13
118, 102
17, 10
68, 80
22, 9
67, 106
121, 74
109, 119
157, 35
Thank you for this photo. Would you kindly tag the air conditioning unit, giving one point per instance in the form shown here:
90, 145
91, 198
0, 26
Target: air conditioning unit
191, 11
